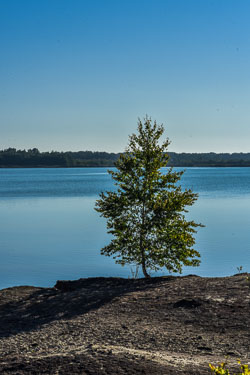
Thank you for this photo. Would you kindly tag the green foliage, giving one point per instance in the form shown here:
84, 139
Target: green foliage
223, 370
146, 213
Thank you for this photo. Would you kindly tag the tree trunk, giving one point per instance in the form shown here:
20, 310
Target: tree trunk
144, 270
143, 265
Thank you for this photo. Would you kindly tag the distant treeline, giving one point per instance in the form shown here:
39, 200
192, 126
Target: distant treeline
33, 158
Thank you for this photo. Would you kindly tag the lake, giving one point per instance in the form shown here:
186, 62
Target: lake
49, 229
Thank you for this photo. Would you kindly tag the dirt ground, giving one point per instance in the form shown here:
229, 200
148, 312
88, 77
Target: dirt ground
100, 326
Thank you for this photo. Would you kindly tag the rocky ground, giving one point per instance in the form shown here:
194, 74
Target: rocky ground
99, 326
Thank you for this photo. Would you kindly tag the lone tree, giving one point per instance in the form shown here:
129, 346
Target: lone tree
145, 214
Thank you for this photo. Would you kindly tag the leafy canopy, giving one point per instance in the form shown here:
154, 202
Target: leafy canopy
145, 214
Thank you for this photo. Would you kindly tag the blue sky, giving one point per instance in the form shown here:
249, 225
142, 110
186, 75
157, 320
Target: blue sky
76, 75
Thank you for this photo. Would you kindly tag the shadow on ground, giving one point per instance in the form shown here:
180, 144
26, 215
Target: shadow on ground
23, 309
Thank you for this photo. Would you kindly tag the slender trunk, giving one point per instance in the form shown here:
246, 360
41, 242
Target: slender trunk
143, 261
144, 270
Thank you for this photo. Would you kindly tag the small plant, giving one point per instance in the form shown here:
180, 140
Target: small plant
239, 269
222, 370
134, 272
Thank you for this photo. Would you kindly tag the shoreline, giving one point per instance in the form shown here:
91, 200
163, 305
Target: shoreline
91, 279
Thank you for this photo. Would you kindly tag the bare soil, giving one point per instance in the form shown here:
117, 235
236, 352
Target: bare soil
100, 326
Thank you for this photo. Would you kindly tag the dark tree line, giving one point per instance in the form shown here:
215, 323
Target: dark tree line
210, 159
33, 158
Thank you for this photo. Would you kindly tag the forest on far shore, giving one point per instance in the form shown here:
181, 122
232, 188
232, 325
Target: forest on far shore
33, 158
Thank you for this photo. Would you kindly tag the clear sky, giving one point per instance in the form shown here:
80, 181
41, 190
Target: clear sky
76, 74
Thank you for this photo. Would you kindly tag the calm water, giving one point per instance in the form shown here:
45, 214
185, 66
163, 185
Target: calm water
49, 229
